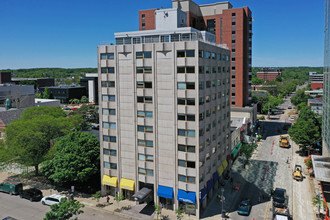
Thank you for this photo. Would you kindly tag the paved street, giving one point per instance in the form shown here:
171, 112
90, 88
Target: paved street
23, 209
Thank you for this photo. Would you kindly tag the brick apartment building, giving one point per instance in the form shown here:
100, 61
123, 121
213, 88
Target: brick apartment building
268, 74
232, 26
316, 80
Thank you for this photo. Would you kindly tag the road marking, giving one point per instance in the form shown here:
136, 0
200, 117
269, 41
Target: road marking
266, 212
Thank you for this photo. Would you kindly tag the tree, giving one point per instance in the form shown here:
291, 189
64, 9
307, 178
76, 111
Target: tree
46, 93
76, 160
28, 138
35, 112
158, 210
247, 150
278, 78
84, 99
179, 214
300, 97
88, 112
97, 195
64, 210
307, 130
119, 197
257, 81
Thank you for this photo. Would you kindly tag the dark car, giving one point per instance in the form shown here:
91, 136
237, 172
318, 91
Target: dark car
279, 198
244, 207
31, 194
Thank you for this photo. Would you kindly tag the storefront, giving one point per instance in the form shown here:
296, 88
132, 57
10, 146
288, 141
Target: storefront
127, 186
224, 166
202, 197
187, 201
236, 150
165, 196
110, 184
215, 177
209, 185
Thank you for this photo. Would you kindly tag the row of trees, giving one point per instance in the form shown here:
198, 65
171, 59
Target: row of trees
307, 129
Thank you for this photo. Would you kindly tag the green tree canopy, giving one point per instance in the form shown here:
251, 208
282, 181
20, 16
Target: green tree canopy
257, 81
84, 99
76, 160
35, 112
28, 138
88, 112
64, 210
300, 97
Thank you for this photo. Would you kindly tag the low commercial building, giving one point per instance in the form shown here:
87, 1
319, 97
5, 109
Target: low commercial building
20, 96
316, 80
5, 77
48, 102
314, 93
316, 105
66, 93
91, 84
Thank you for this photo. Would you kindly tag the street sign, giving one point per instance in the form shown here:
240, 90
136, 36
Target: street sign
190, 209
223, 198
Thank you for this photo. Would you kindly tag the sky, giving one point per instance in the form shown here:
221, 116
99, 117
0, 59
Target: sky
66, 33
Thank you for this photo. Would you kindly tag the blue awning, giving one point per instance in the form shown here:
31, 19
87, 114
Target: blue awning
165, 192
189, 197
202, 194
209, 185
215, 176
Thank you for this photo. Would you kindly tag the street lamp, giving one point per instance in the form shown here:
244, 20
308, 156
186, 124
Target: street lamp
222, 201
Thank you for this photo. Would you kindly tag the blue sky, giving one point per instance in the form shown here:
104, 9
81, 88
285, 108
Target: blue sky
66, 33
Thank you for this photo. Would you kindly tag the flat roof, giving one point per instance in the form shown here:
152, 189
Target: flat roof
321, 167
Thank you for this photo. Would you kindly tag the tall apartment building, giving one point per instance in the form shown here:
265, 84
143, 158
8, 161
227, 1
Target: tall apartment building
165, 113
316, 80
231, 26
326, 84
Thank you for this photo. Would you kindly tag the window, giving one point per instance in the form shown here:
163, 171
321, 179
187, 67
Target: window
214, 69
143, 55
214, 83
108, 124
213, 56
106, 165
201, 100
144, 69
201, 116
207, 69
108, 98
219, 56
186, 117
107, 70
185, 69
201, 69
142, 128
112, 139
188, 164
208, 84
107, 56
113, 166
144, 114
106, 151
201, 85
145, 143
211, 26
201, 53
147, 172
186, 179
186, 85
146, 85
107, 83
219, 69
208, 55
186, 148
146, 157
113, 152
186, 101
207, 99
187, 133
144, 99
185, 53
107, 111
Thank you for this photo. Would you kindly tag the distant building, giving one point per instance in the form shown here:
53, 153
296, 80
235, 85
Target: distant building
7, 116
316, 105
268, 74
66, 93
316, 80
314, 93
90, 82
21, 96
48, 102
5, 77
263, 87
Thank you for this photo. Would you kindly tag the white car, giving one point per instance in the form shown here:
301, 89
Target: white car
52, 199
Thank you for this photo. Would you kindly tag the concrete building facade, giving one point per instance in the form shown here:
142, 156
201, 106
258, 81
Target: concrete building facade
231, 26
165, 113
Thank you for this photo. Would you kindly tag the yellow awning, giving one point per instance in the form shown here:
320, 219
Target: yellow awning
110, 181
220, 170
127, 184
224, 164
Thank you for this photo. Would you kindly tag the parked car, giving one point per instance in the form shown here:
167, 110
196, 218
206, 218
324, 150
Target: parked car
9, 218
52, 199
289, 106
279, 198
13, 188
244, 207
32, 194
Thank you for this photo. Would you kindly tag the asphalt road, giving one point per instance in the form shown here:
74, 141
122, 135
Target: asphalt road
23, 209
